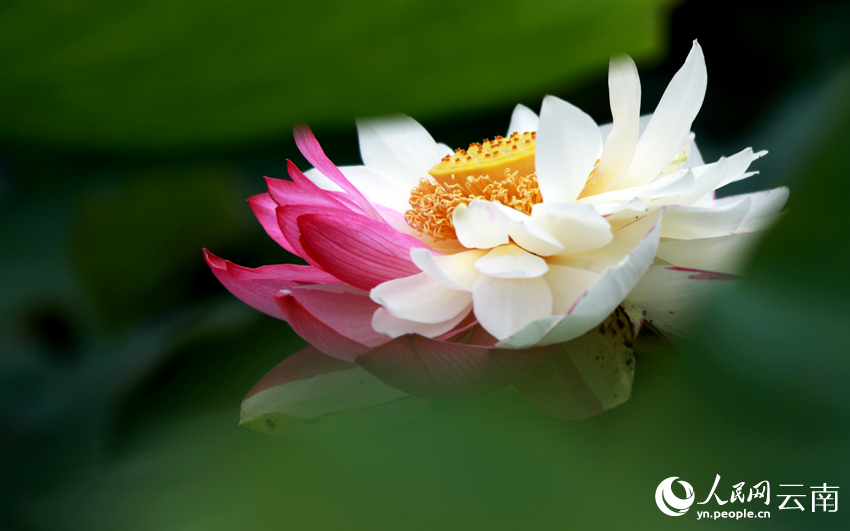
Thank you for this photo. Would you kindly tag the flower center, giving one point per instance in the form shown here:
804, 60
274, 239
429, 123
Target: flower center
495, 171
489, 158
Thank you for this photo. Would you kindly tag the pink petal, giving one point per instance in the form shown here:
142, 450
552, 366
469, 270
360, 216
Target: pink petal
308, 193
264, 208
312, 151
314, 331
345, 309
357, 250
287, 220
437, 369
298, 273
288, 193
335, 199
340, 200
256, 287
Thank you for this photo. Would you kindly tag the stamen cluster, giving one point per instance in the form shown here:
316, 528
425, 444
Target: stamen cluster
432, 204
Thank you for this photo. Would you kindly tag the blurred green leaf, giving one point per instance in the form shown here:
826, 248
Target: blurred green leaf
136, 244
100, 73
797, 295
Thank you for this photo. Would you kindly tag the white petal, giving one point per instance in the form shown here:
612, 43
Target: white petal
523, 120
420, 298
725, 254
711, 176
670, 186
318, 178
619, 150
567, 148
764, 204
485, 225
626, 238
694, 156
765, 209
398, 147
378, 188
605, 129
455, 271
681, 156
567, 285
445, 148
689, 223
670, 123
743, 176
613, 210
527, 233
759, 224
386, 323
480, 225
505, 306
600, 299
706, 179
670, 296
578, 228
509, 261
734, 176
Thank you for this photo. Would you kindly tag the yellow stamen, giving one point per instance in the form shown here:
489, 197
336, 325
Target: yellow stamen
433, 203
501, 170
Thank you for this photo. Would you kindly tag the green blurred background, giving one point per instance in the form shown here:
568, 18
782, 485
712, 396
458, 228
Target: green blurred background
131, 135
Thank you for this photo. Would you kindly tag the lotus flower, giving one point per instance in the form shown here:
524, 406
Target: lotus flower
530, 260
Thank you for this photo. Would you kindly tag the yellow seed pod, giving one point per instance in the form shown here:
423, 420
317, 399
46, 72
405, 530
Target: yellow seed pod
489, 158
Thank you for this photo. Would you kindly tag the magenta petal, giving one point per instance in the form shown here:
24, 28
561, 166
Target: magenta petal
257, 291
264, 208
314, 331
301, 191
298, 273
312, 151
335, 199
441, 370
344, 309
287, 221
288, 193
358, 251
